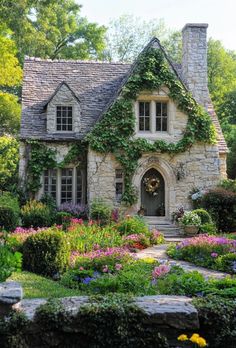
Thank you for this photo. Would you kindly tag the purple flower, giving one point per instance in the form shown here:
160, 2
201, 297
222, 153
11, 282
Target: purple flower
214, 255
87, 280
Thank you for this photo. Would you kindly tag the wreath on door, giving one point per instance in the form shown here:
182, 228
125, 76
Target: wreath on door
151, 185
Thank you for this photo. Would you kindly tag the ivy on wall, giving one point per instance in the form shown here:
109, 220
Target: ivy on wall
43, 157
114, 133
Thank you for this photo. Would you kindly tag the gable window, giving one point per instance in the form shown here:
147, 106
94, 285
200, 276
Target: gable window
161, 117
153, 116
65, 185
119, 183
144, 116
64, 118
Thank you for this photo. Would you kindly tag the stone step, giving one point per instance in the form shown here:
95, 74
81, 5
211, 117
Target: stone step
164, 226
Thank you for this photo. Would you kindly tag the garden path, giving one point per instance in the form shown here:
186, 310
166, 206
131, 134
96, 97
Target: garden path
159, 252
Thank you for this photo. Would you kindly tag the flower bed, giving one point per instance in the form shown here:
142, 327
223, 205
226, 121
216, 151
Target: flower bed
208, 251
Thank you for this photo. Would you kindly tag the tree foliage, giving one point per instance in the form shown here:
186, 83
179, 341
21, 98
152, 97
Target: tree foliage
52, 29
10, 77
128, 35
9, 156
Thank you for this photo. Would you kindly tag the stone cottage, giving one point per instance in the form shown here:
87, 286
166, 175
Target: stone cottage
131, 134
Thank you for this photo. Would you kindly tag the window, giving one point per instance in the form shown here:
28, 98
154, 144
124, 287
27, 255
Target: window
50, 182
64, 118
79, 183
119, 184
161, 117
65, 185
144, 116
152, 116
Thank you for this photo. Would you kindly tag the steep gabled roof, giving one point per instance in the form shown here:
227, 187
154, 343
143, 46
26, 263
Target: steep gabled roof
93, 84
96, 85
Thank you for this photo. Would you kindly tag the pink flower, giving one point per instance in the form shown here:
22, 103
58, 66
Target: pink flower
96, 246
105, 269
76, 221
214, 255
160, 271
81, 268
118, 266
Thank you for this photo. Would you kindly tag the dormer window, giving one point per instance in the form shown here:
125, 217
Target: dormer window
64, 118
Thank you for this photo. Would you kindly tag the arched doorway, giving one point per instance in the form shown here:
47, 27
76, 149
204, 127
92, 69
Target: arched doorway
153, 193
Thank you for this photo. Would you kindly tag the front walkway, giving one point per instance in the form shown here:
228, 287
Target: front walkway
158, 252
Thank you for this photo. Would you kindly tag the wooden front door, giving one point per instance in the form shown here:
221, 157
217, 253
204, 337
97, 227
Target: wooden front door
153, 193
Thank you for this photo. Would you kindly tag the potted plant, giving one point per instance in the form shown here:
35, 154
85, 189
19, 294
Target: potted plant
190, 223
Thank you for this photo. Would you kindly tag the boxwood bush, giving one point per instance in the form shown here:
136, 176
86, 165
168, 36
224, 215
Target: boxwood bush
9, 262
9, 211
221, 204
46, 253
36, 214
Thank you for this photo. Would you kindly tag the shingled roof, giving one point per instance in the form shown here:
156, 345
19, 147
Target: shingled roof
95, 84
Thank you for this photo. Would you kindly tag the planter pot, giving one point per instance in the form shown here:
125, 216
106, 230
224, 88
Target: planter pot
191, 230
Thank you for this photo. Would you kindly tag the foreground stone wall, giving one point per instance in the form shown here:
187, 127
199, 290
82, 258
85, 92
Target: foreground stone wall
168, 315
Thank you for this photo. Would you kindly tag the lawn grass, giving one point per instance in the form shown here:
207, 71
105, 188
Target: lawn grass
35, 286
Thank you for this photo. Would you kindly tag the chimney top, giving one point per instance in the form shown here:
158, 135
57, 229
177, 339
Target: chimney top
195, 25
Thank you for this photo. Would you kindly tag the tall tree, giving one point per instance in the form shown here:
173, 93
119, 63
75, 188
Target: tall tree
52, 29
221, 71
128, 35
10, 76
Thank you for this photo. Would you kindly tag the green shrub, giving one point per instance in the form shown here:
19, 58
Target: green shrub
100, 211
9, 262
228, 184
181, 283
204, 215
132, 225
9, 211
46, 253
221, 204
36, 214
208, 228
227, 263
63, 217
217, 318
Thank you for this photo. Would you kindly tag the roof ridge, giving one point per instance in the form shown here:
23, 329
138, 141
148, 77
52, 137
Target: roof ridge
49, 60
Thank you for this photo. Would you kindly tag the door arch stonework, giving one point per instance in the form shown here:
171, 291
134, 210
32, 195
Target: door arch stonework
164, 168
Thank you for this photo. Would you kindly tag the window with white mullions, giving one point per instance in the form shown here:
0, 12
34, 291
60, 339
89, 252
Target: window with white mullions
161, 117
66, 185
50, 182
64, 118
144, 116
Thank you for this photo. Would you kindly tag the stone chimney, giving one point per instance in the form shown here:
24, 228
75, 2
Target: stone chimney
194, 60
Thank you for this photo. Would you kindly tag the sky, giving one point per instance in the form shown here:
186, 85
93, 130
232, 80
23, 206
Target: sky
219, 14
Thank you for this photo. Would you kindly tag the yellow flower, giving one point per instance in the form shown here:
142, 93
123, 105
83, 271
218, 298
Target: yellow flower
194, 338
201, 342
183, 338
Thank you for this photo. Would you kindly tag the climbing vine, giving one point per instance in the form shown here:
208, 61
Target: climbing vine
114, 133
43, 157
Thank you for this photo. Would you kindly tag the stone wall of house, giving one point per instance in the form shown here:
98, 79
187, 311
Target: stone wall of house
200, 167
